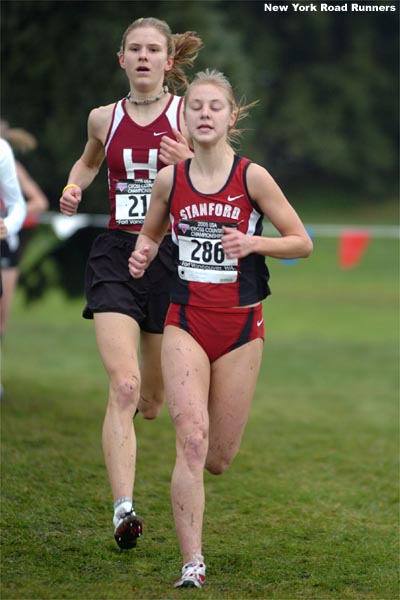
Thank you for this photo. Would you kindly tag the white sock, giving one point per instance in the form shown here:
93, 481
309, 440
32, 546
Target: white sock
121, 506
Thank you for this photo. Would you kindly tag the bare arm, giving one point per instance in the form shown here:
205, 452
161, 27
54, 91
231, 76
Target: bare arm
87, 166
36, 200
154, 226
294, 241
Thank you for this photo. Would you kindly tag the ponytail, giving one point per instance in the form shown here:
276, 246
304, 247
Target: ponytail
186, 48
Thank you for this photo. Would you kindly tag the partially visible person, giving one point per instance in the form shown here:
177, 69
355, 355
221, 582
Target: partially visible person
36, 203
13, 206
137, 135
12, 203
214, 330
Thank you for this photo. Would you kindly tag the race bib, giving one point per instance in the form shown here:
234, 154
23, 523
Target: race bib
201, 256
132, 199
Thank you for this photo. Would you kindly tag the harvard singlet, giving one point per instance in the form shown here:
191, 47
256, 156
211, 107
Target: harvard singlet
132, 159
204, 276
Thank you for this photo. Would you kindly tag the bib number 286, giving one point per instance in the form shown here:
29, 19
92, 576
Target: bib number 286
207, 252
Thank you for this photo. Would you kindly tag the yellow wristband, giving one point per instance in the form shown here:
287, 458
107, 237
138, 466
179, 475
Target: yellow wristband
70, 185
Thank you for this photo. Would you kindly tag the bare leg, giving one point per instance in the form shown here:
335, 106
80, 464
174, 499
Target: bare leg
9, 278
152, 388
186, 372
117, 339
233, 382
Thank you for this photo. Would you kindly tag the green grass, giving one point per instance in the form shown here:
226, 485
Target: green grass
324, 204
309, 508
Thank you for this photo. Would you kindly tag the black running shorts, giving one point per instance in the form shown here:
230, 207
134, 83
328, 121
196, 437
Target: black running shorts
109, 286
9, 256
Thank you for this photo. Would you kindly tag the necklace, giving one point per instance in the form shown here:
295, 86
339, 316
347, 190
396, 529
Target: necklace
148, 100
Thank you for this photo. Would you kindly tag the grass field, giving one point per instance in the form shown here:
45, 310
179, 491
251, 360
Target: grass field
309, 508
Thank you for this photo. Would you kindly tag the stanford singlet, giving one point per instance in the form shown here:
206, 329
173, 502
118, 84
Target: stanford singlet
204, 276
132, 160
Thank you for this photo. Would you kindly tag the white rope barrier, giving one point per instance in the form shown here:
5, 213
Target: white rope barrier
65, 226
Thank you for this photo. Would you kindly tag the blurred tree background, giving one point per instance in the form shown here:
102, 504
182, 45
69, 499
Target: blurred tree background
327, 85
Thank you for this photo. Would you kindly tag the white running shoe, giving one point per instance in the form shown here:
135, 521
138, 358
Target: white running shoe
193, 575
127, 530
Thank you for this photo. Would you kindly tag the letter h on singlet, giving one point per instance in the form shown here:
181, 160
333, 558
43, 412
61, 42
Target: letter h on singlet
131, 166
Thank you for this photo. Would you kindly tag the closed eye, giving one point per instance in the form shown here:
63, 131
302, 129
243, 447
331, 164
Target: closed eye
195, 105
214, 105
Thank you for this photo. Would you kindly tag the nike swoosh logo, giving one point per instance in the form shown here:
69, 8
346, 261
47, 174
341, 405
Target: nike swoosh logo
161, 133
233, 198
259, 323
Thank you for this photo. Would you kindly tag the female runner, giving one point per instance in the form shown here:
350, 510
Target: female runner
137, 135
214, 331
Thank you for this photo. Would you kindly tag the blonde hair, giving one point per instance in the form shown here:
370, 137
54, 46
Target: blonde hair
214, 77
183, 47
20, 139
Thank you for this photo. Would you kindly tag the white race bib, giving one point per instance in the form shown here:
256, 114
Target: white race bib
132, 199
201, 256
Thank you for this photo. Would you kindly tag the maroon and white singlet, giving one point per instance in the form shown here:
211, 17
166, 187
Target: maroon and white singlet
204, 275
132, 155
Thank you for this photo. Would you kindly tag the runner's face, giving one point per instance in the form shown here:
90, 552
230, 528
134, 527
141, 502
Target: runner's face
208, 113
145, 58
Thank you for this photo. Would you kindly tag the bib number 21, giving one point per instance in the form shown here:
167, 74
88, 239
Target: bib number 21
138, 207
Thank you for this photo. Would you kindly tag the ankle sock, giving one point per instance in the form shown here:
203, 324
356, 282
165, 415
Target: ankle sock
121, 506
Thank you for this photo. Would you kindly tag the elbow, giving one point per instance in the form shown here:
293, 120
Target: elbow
40, 206
44, 204
308, 248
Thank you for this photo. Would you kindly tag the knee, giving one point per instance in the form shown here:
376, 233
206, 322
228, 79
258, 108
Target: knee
217, 463
150, 407
194, 449
216, 468
125, 392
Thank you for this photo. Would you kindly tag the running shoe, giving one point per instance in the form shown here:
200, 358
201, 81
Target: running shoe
128, 529
193, 575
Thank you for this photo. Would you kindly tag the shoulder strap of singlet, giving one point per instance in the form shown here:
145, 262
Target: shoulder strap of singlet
247, 162
173, 111
117, 116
